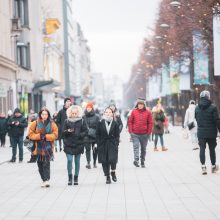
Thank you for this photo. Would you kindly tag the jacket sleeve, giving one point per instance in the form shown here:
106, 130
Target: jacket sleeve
65, 127
33, 134
23, 123
117, 134
216, 118
149, 123
186, 119
58, 119
130, 122
54, 134
84, 129
120, 124
98, 133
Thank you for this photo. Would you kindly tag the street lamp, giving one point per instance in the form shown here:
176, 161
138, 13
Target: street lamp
175, 3
164, 25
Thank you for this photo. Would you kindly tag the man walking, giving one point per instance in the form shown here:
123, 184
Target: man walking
17, 124
208, 121
140, 128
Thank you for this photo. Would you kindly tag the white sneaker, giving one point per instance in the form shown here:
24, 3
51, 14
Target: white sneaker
43, 184
47, 184
204, 170
215, 168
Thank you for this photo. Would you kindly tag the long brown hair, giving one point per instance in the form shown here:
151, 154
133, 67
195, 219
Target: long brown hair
48, 112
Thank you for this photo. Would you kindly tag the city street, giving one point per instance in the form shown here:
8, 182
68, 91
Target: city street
170, 187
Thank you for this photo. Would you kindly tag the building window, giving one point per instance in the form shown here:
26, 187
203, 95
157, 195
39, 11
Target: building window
21, 11
23, 55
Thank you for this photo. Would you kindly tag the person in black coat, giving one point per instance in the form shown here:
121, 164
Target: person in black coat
61, 117
107, 136
17, 123
91, 120
207, 117
116, 116
3, 128
74, 133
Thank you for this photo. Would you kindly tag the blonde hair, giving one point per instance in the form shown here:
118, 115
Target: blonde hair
70, 110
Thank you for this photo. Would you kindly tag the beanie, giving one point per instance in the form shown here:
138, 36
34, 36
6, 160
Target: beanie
205, 93
89, 105
17, 110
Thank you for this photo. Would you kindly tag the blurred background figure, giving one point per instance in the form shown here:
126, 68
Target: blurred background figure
10, 113
166, 124
55, 120
3, 128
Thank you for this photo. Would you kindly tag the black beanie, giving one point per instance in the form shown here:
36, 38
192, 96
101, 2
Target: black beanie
66, 99
17, 110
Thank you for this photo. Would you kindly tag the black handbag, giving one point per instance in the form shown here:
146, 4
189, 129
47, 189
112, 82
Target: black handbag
29, 144
191, 125
92, 132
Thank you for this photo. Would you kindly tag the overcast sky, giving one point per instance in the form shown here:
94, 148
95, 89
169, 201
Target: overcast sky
115, 30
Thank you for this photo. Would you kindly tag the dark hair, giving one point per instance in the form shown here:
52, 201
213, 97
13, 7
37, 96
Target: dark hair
110, 109
44, 109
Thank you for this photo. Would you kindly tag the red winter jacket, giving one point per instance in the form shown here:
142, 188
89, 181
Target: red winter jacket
140, 122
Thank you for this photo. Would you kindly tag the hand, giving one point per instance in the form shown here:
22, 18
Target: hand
43, 137
70, 130
95, 146
12, 122
17, 123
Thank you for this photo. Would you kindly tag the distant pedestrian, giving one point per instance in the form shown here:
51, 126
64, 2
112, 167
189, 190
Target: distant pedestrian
44, 132
74, 133
91, 119
158, 126
108, 140
61, 117
10, 114
3, 128
191, 124
17, 123
208, 122
140, 128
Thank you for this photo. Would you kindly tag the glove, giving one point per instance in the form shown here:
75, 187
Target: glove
43, 137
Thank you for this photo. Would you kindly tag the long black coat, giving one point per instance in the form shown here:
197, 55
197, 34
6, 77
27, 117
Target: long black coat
207, 118
60, 119
107, 144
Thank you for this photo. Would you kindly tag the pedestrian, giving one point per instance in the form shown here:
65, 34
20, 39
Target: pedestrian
10, 114
166, 124
158, 126
116, 116
17, 123
3, 128
91, 119
140, 128
44, 132
55, 120
107, 135
74, 133
190, 123
61, 117
208, 122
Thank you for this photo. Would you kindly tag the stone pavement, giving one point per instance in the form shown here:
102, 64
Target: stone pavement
171, 187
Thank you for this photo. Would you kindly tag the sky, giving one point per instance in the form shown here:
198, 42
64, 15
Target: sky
115, 30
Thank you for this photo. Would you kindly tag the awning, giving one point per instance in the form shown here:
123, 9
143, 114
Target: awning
46, 85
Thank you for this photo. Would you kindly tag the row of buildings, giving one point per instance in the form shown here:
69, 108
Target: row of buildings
44, 55
180, 58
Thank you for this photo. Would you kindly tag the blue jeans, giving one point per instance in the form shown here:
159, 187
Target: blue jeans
156, 140
14, 142
70, 163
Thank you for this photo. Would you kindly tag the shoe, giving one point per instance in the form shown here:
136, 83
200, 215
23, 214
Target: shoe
43, 184
70, 181
60, 149
12, 161
88, 166
114, 178
164, 149
215, 168
108, 180
136, 163
47, 184
94, 165
143, 165
155, 149
75, 180
195, 148
204, 170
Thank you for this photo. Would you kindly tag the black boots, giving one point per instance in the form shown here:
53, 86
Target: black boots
70, 181
114, 178
75, 180
108, 180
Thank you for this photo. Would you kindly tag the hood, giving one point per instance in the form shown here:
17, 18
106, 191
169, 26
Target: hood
204, 103
192, 106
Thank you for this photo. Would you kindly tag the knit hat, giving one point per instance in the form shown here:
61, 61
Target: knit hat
205, 93
17, 110
66, 99
141, 100
90, 105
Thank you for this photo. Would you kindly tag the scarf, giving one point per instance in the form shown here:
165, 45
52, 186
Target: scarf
108, 119
44, 148
74, 119
108, 126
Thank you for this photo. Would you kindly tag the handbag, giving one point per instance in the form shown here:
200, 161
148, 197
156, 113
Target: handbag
191, 125
29, 144
92, 132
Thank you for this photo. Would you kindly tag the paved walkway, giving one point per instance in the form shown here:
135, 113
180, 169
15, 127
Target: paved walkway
171, 187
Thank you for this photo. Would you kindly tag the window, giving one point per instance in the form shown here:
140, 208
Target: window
23, 55
21, 11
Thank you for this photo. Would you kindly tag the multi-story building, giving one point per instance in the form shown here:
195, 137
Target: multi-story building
98, 89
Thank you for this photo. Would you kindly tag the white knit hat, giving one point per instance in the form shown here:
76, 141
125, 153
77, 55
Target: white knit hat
205, 93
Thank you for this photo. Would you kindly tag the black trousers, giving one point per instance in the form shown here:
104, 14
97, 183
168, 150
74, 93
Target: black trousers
44, 169
106, 168
88, 147
212, 145
2, 139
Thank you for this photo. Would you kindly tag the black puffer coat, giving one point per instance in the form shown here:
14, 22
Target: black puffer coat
74, 141
92, 120
107, 143
60, 119
207, 118
17, 131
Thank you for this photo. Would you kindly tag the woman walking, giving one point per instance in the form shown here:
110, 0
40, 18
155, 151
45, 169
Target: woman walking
44, 132
74, 133
107, 135
158, 126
